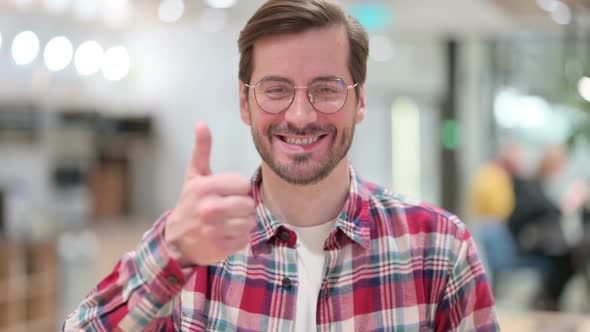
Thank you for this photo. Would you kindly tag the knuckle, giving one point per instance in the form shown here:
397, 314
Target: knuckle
197, 187
208, 210
202, 187
251, 204
245, 186
241, 181
208, 232
245, 205
246, 226
237, 230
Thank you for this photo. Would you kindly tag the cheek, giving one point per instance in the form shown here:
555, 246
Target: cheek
263, 122
345, 119
251, 114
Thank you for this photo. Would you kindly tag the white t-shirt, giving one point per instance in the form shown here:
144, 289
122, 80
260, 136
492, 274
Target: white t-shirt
310, 271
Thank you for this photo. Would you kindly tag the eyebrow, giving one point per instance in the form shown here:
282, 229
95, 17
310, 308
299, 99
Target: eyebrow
318, 78
276, 78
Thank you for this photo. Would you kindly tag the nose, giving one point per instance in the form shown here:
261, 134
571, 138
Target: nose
301, 112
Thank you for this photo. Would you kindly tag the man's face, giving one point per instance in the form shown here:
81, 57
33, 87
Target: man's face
300, 144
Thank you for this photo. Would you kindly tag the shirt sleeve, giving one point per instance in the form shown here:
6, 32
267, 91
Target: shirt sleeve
467, 303
140, 294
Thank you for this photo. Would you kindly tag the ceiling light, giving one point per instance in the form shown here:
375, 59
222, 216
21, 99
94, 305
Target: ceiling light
221, 3
562, 14
58, 53
116, 63
584, 88
88, 58
170, 10
25, 47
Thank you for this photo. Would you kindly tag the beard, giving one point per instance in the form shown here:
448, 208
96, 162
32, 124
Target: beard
301, 169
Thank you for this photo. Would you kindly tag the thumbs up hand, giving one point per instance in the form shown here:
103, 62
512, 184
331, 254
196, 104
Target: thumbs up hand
214, 214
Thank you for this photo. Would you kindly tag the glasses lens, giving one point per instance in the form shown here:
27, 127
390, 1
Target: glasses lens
328, 96
273, 96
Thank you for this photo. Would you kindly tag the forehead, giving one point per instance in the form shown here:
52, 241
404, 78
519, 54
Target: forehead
303, 56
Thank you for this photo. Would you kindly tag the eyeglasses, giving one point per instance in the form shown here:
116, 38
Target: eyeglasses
325, 95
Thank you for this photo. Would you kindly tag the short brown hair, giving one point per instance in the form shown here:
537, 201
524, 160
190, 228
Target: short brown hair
278, 17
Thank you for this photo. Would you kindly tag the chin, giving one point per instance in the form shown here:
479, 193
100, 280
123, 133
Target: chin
308, 174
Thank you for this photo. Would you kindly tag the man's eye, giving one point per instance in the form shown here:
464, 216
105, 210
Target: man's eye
325, 90
275, 90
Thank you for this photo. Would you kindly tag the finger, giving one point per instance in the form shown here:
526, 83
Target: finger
201, 155
226, 184
216, 210
236, 244
239, 231
238, 206
237, 227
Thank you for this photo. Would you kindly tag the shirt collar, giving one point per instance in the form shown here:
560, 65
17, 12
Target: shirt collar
354, 221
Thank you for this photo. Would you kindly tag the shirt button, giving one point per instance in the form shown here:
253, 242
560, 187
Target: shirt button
286, 282
284, 235
172, 280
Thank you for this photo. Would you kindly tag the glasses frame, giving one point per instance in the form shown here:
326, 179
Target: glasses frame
295, 88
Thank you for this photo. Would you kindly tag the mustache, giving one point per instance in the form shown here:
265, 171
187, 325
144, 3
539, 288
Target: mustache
311, 129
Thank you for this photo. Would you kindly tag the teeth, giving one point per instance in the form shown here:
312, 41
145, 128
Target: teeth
301, 141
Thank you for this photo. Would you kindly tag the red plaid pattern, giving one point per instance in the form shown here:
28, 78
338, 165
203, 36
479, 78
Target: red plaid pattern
391, 265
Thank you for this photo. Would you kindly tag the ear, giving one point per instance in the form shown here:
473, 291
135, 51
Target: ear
362, 105
244, 112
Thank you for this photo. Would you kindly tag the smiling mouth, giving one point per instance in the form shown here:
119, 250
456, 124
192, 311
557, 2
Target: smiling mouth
300, 141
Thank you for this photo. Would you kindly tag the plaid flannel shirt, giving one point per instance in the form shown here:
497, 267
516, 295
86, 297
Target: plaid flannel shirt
391, 265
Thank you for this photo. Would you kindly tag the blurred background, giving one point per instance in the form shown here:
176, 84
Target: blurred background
479, 106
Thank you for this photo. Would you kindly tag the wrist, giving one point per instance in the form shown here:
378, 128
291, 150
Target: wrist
173, 249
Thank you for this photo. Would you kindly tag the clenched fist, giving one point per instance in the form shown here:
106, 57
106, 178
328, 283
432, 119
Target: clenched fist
214, 214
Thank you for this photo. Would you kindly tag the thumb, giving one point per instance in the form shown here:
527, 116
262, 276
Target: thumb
201, 155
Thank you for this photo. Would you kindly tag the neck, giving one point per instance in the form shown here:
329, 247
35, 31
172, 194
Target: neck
306, 205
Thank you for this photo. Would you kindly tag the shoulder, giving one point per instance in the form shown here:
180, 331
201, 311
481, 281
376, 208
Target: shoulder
402, 214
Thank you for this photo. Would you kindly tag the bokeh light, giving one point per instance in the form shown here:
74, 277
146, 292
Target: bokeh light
88, 58
170, 10
562, 14
116, 63
221, 3
548, 5
58, 53
373, 16
116, 12
512, 110
25, 47
584, 88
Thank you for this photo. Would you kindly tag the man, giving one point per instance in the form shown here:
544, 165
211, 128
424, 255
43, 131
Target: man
306, 245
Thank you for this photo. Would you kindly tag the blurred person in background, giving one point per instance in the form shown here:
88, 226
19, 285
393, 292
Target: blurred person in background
306, 244
577, 192
491, 194
536, 224
490, 202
